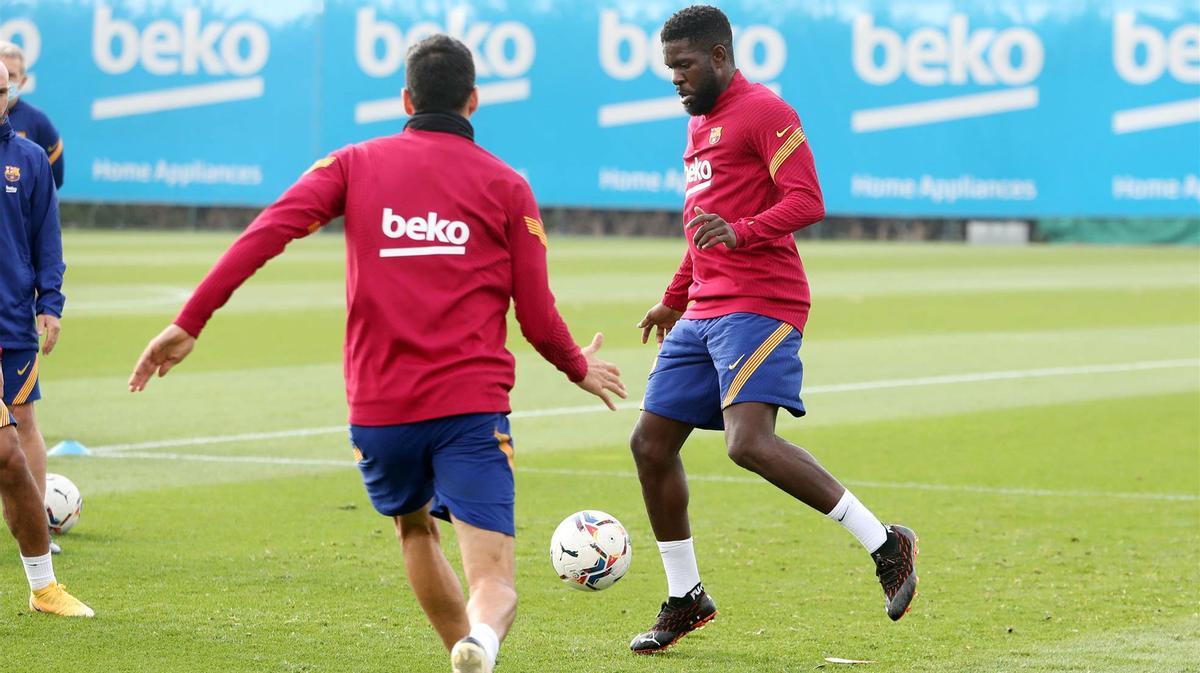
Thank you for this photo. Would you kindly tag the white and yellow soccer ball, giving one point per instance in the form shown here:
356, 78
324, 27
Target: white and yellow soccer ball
64, 503
590, 550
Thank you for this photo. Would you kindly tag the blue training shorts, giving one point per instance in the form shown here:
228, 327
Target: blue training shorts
20, 376
463, 464
706, 365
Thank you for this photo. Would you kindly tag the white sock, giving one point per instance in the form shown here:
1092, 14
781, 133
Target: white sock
679, 560
859, 521
39, 570
488, 638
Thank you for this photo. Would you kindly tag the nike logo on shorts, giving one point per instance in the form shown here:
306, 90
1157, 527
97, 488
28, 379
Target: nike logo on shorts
21, 371
736, 362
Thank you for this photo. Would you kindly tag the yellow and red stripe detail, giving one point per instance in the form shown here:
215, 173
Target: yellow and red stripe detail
320, 163
23, 393
760, 354
795, 140
5, 418
505, 443
535, 227
56, 151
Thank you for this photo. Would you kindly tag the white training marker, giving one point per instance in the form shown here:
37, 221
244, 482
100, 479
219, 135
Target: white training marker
839, 660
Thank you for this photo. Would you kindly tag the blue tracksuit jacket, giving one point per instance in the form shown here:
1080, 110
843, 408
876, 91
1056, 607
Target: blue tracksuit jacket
30, 122
31, 261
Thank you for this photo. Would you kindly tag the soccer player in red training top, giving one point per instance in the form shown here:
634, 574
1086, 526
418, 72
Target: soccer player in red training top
732, 319
440, 235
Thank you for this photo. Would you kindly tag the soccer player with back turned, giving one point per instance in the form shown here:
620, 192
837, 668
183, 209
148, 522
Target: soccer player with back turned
730, 323
440, 236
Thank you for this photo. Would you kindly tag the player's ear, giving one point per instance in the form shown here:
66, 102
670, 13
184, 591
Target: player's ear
719, 55
473, 101
408, 104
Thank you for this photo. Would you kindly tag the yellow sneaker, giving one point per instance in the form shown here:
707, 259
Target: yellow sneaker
55, 600
468, 656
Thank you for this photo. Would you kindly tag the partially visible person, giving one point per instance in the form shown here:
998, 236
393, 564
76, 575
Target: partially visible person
32, 291
28, 121
28, 224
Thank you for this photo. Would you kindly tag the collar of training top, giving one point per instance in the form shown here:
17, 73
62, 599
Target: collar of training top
6, 129
446, 122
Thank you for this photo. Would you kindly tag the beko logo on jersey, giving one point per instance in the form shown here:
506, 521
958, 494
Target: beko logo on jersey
431, 229
958, 56
1142, 54
504, 51
698, 175
627, 52
190, 47
24, 33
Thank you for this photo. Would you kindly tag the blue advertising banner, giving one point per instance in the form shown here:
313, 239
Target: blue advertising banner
990, 108
173, 101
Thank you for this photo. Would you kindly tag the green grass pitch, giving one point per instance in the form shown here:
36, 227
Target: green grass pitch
1034, 413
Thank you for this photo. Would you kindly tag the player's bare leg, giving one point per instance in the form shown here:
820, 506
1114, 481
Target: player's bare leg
488, 561
432, 579
655, 443
752, 443
23, 509
25, 515
33, 444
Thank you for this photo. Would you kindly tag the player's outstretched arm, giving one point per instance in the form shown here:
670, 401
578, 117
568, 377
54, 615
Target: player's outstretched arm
602, 377
163, 352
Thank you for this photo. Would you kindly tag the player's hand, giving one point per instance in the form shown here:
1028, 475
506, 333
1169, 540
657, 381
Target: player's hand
48, 326
165, 351
711, 230
602, 377
662, 319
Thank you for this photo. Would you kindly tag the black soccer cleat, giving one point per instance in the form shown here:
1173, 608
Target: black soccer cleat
677, 618
896, 567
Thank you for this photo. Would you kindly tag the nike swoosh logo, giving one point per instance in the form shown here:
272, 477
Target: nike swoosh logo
21, 372
736, 362
779, 134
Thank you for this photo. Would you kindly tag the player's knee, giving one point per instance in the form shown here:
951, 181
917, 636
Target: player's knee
745, 450
417, 526
646, 450
12, 459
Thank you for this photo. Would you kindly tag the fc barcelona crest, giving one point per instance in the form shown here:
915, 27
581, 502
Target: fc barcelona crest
12, 173
714, 135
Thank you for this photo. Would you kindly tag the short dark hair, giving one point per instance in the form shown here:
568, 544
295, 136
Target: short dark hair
440, 74
702, 26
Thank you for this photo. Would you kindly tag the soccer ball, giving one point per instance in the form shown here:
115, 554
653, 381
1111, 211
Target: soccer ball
63, 503
590, 550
